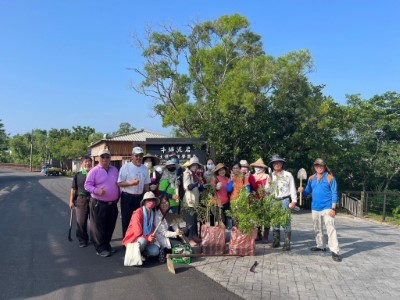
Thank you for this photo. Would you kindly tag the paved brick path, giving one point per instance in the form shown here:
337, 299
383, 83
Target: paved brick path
370, 268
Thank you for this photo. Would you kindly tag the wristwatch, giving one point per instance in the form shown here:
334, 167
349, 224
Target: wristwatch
334, 209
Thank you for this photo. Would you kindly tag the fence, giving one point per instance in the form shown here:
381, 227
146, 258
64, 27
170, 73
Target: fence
361, 203
20, 167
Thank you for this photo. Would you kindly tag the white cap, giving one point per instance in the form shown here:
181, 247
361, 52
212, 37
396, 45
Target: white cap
104, 151
137, 150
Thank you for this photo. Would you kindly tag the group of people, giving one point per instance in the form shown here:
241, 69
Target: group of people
148, 195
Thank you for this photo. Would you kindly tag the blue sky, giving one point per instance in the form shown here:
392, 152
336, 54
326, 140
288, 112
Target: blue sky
65, 63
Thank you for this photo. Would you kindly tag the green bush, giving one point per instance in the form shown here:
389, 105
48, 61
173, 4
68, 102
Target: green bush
396, 212
249, 211
68, 173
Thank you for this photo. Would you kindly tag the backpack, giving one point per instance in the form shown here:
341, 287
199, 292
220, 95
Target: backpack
329, 177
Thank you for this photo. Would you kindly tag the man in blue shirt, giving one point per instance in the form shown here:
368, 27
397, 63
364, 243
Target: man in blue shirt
323, 188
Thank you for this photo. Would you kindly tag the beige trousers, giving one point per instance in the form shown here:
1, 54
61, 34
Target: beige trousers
320, 218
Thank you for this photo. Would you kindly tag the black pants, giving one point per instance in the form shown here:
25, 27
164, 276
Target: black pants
129, 203
103, 217
191, 223
82, 216
224, 218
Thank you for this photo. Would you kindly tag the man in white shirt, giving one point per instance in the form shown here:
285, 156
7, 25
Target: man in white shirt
284, 190
134, 181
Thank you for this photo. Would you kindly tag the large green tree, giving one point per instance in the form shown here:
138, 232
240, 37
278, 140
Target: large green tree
64, 144
20, 147
372, 143
217, 83
56, 144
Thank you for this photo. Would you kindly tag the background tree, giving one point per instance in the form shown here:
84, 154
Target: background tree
217, 83
19, 146
372, 141
4, 156
64, 145
59, 145
124, 128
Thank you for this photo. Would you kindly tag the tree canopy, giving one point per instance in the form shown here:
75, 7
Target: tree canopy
3, 142
124, 128
56, 144
216, 82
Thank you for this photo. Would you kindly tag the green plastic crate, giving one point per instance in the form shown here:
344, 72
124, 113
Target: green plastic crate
181, 249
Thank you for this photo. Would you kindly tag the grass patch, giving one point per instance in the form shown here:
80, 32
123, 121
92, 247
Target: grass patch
388, 220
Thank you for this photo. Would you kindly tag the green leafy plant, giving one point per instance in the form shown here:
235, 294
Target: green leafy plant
208, 203
251, 210
396, 212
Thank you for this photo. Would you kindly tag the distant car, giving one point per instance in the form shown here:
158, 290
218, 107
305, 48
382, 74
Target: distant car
53, 170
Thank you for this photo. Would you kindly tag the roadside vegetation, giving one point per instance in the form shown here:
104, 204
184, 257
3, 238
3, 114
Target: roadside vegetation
216, 81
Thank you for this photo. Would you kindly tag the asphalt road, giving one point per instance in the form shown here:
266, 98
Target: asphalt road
38, 261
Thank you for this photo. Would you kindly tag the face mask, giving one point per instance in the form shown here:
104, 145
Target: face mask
210, 167
244, 170
193, 168
171, 169
150, 204
148, 164
258, 170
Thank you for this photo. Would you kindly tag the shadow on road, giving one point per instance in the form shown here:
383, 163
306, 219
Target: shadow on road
38, 260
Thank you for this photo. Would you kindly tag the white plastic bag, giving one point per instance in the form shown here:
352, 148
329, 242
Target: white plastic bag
133, 256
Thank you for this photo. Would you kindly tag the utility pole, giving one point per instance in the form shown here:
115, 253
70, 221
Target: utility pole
30, 157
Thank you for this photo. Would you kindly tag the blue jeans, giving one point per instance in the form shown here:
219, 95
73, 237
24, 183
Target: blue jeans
148, 249
285, 205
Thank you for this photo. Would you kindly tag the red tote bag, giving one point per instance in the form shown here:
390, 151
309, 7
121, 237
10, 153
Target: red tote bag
213, 239
241, 244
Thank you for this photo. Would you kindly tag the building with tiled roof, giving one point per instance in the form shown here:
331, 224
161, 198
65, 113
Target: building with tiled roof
139, 136
157, 144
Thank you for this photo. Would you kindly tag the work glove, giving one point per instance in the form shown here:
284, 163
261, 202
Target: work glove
192, 186
153, 187
218, 186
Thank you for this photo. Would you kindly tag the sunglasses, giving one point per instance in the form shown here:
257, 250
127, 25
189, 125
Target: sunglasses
138, 155
105, 156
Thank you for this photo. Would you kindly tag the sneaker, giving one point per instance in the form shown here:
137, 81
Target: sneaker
336, 257
104, 253
143, 258
111, 250
317, 249
83, 244
161, 256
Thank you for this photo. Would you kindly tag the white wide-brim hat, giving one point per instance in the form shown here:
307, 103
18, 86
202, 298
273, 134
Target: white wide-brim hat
149, 196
